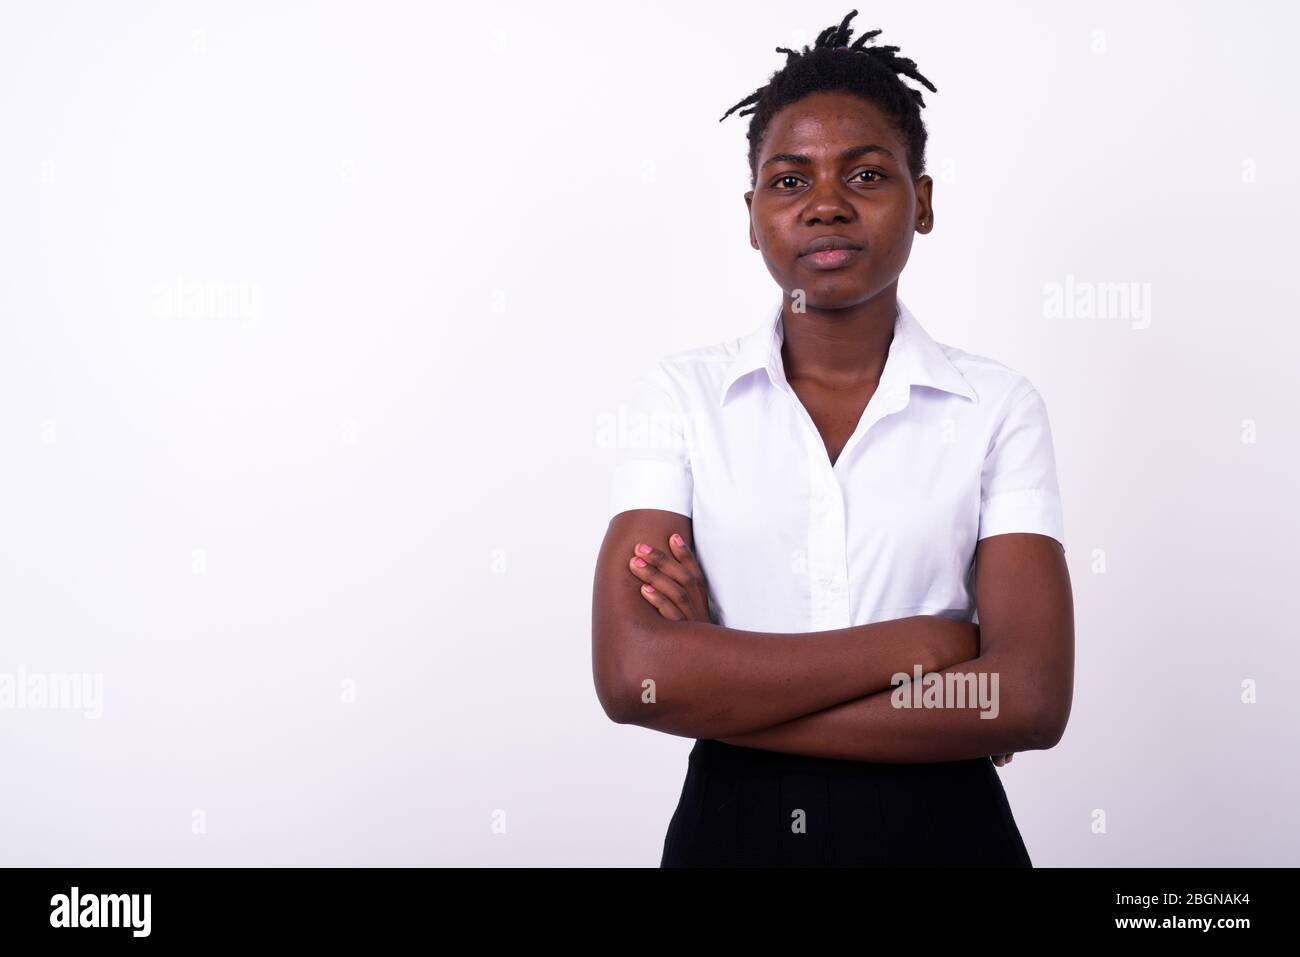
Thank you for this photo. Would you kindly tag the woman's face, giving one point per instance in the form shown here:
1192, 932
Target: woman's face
831, 164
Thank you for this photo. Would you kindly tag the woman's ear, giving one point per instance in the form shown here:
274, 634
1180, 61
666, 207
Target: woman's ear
924, 204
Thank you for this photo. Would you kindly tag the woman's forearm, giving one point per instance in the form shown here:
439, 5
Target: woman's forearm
1008, 715
704, 681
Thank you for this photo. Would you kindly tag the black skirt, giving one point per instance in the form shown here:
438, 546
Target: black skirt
746, 807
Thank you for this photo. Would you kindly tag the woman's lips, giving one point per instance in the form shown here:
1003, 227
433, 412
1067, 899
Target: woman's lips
830, 258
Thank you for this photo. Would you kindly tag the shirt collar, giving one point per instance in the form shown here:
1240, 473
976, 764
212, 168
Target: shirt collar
914, 358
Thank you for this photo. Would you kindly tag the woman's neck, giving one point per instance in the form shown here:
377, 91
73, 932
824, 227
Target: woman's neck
839, 348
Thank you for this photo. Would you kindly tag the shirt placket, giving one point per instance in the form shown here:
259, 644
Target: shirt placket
828, 546
828, 557
828, 573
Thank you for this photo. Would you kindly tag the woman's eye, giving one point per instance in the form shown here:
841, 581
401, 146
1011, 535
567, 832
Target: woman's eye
795, 180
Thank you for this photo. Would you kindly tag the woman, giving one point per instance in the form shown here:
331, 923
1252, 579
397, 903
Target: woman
860, 496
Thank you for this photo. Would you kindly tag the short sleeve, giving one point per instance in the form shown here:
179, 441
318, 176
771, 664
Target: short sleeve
653, 466
1018, 486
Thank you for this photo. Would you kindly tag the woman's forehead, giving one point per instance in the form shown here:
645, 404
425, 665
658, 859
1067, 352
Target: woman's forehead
821, 124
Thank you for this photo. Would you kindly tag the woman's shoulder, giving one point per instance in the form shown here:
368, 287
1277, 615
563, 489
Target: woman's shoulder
697, 371
995, 382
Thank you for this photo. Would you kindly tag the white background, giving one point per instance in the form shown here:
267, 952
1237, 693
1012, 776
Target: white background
332, 551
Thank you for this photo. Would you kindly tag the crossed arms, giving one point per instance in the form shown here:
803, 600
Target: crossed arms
829, 693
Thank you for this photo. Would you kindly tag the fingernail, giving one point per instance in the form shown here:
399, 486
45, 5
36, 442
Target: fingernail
647, 587
677, 540
638, 563
643, 549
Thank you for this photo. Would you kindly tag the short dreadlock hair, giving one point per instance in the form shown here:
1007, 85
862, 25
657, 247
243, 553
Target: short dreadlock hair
832, 64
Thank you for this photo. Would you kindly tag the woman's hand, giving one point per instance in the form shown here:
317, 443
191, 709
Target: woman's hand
674, 581
1001, 759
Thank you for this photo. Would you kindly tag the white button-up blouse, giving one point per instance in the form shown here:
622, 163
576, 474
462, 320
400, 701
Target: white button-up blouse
952, 448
